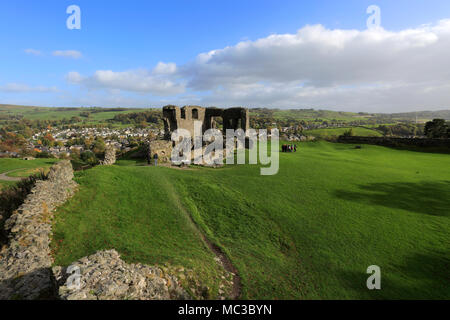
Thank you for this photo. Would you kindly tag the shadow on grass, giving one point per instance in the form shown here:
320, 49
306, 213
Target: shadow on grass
421, 276
431, 198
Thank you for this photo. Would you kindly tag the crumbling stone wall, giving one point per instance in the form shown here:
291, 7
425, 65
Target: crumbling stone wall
110, 156
104, 276
210, 115
176, 118
184, 118
162, 147
25, 262
236, 118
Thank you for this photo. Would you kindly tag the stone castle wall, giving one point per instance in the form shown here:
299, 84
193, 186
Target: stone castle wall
161, 147
185, 118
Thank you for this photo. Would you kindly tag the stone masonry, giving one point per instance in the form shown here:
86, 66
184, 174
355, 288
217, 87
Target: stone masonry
25, 262
176, 118
26, 271
104, 276
162, 147
110, 156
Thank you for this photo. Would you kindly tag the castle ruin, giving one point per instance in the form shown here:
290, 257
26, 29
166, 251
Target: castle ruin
184, 118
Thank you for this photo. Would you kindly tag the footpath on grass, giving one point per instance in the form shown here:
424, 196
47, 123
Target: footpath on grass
4, 176
221, 257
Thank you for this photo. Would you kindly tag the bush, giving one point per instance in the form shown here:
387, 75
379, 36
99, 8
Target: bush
44, 154
349, 133
89, 157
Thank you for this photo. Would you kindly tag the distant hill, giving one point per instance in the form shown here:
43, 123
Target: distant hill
441, 114
99, 114
348, 116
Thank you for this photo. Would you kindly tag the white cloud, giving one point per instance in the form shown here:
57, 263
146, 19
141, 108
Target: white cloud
321, 57
165, 68
22, 88
33, 52
369, 70
74, 54
158, 81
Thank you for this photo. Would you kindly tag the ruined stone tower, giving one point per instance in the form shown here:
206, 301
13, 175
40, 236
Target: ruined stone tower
184, 118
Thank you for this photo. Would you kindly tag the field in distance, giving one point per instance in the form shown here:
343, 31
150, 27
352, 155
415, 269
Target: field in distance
54, 113
309, 232
335, 132
18, 168
100, 115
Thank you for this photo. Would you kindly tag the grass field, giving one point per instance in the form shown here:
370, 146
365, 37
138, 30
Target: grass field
317, 114
22, 168
335, 132
308, 232
9, 164
47, 113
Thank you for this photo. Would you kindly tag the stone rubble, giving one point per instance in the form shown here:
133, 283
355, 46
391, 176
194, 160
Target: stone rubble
104, 276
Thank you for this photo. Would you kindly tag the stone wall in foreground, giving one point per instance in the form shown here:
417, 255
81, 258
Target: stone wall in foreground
104, 276
25, 261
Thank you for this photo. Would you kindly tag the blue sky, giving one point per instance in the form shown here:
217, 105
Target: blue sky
113, 59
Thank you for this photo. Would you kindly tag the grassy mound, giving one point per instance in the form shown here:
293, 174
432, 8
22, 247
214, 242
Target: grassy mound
308, 232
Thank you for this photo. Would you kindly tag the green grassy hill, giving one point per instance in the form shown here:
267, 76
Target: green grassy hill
311, 114
98, 116
335, 132
49, 113
101, 115
308, 232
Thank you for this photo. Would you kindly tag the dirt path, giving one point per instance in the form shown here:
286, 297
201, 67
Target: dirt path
4, 177
227, 264
224, 260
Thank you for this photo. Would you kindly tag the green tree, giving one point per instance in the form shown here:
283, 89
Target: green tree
436, 129
44, 154
99, 146
89, 157
349, 133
